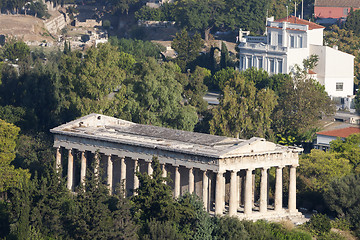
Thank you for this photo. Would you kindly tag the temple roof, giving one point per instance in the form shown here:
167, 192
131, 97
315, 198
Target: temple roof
105, 128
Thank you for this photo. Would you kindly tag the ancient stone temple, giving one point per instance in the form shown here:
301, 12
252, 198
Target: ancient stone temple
244, 178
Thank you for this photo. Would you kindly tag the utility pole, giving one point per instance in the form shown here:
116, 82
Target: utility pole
302, 9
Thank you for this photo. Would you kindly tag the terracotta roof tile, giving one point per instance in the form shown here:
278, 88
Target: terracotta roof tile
337, 3
296, 20
343, 132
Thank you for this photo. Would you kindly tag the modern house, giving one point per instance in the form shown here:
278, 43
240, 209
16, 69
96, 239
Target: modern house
334, 8
324, 138
287, 42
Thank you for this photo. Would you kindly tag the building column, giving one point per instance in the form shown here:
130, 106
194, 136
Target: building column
109, 174
191, 180
278, 189
292, 189
97, 164
149, 169
123, 175
177, 183
70, 172
136, 179
263, 190
233, 194
83, 168
248, 204
205, 190
219, 199
58, 160
163, 171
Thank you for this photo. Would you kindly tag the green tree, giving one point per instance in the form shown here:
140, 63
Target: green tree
154, 94
225, 58
94, 83
319, 168
15, 50
187, 48
348, 149
9, 176
200, 15
352, 21
195, 89
302, 103
244, 111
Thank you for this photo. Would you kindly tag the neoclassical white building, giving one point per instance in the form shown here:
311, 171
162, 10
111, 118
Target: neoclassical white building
287, 42
230, 175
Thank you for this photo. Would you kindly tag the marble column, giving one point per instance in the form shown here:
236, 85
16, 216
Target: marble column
233, 201
248, 204
70, 172
58, 160
97, 164
123, 175
292, 189
191, 180
163, 171
205, 190
278, 189
219, 199
149, 169
83, 168
109, 173
177, 183
263, 190
136, 179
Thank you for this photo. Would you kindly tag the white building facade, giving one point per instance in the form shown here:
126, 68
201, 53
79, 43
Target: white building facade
287, 43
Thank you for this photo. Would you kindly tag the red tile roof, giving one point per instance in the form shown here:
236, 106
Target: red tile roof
337, 3
311, 72
296, 20
343, 132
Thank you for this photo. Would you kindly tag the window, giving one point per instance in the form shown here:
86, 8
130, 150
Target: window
280, 66
241, 62
292, 41
260, 62
280, 43
269, 39
339, 86
300, 41
272, 66
345, 12
249, 65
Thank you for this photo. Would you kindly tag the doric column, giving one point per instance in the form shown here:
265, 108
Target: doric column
177, 182
163, 171
70, 171
149, 169
136, 179
263, 190
219, 199
58, 160
205, 189
278, 188
97, 164
191, 180
233, 194
83, 168
123, 174
248, 192
292, 189
109, 173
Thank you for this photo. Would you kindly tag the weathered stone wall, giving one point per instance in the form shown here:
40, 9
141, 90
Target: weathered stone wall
56, 23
